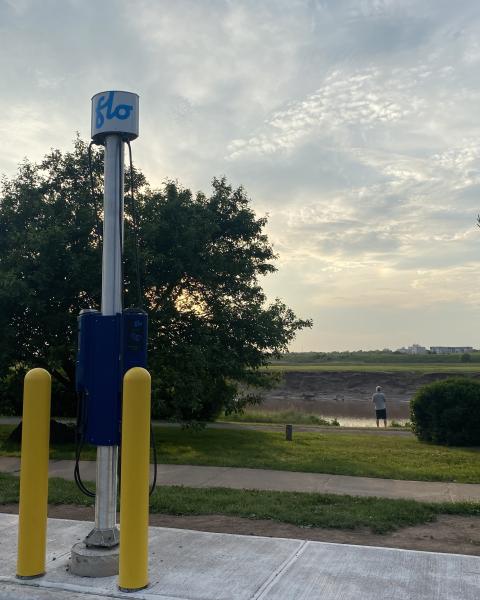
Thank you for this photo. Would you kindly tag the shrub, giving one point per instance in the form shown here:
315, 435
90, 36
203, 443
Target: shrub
447, 412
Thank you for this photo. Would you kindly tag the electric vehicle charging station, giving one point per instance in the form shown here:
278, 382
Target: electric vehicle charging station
113, 340
111, 343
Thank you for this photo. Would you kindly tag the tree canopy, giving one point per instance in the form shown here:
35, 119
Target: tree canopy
200, 256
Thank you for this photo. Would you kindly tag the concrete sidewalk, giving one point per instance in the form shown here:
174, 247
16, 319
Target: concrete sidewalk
264, 479
193, 565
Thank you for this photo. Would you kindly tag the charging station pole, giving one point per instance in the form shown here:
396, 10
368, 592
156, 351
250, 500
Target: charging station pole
105, 349
114, 120
105, 532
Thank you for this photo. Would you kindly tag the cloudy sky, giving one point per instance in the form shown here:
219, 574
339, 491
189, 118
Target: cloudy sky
353, 123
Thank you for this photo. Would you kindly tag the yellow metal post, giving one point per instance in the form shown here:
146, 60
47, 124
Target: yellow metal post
32, 521
133, 562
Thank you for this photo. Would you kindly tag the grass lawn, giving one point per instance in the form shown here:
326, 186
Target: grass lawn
307, 510
388, 368
369, 455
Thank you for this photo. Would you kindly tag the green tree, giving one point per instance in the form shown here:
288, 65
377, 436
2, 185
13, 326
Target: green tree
200, 260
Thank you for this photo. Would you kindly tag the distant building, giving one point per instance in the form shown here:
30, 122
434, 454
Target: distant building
413, 349
417, 349
450, 349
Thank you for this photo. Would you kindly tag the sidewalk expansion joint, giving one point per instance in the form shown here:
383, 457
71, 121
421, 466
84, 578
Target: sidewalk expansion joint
267, 585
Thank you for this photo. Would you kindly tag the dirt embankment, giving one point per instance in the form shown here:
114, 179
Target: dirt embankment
348, 393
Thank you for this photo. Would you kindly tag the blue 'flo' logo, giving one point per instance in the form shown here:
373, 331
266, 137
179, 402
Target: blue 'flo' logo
121, 111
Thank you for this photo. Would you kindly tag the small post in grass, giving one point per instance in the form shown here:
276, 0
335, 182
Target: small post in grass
289, 432
133, 564
32, 520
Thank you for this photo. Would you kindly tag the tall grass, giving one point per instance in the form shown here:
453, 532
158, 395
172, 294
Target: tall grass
295, 417
298, 417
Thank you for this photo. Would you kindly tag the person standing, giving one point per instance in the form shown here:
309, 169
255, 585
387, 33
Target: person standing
378, 400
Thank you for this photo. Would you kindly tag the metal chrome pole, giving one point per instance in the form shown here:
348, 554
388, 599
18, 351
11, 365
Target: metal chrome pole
105, 532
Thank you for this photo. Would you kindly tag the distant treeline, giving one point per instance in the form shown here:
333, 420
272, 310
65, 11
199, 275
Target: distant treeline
374, 357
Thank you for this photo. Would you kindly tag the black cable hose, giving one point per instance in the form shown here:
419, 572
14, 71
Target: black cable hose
79, 442
135, 231
136, 226
120, 213
155, 465
78, 480
92, 190
154, 450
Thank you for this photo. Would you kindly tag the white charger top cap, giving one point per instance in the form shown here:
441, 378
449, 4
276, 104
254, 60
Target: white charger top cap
114, 112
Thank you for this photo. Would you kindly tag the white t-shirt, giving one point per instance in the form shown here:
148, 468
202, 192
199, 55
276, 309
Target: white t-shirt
379, 400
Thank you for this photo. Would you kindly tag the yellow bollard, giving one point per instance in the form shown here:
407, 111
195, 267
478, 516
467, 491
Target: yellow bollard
32, 520
134, 487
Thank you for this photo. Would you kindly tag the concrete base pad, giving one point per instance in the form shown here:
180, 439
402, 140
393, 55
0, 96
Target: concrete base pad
93, 562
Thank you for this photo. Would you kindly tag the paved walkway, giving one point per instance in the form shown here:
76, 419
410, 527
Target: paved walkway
195, 565
265, 479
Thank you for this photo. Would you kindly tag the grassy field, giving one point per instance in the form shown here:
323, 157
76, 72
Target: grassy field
368, 455
279, 417
378, 367
301, 509
297, 417
375, 357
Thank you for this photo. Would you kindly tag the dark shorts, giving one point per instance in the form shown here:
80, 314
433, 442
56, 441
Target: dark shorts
382, 413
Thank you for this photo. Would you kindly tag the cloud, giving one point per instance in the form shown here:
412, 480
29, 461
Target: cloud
359, 100
353, 123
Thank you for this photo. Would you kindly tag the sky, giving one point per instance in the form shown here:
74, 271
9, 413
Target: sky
354, 124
